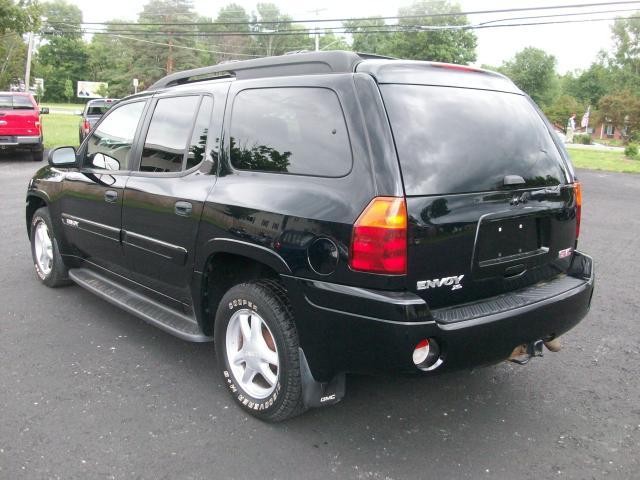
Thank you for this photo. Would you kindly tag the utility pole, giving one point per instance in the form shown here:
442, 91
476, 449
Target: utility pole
315, 26
27, 70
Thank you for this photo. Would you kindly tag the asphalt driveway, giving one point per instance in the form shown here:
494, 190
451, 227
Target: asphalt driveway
88, 391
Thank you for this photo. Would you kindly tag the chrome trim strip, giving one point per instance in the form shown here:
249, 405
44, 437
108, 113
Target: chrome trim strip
127, 233
89, 222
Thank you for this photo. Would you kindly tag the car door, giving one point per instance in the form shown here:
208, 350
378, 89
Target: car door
91, 197
174, 171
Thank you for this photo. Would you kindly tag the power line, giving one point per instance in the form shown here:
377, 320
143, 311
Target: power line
345, 30
396, 17
359, 29
185, 47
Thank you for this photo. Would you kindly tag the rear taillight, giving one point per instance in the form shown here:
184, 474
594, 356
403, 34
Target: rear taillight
379, 240
578, 191
85, 125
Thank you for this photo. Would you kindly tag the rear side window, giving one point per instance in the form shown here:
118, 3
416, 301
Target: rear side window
198, 143
109, 146
290, 130
170, 146
455, 140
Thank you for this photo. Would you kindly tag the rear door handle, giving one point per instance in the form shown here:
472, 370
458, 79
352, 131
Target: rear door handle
110, 196
183, 209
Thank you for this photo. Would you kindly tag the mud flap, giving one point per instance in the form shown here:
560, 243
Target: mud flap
319, 394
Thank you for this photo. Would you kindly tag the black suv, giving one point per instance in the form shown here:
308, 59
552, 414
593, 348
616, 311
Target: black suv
323, 213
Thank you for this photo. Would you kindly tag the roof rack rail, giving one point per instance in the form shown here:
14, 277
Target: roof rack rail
336, 61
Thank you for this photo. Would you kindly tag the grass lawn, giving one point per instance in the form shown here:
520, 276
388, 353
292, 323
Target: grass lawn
602, 160
60, 130
64, 106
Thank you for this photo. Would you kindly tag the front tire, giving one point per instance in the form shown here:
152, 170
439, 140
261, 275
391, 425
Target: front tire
257, 349
47, 260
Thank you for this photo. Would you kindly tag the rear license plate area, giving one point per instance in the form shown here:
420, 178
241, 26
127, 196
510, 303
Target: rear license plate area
511, 239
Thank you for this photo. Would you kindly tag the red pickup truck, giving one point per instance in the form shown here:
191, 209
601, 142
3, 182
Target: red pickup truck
20, 126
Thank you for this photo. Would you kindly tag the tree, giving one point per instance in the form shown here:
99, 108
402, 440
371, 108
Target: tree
64, 53
175, 52
68, 89
331, 41
626, 55
368, 37
228, 47
561, 109
453, 46
623, 110
19, 17
534, 71
13, 52
265, 44
418, 42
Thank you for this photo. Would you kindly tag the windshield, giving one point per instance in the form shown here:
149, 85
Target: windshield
455, 140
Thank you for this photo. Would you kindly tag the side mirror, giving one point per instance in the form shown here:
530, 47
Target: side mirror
62, 157
44, 110
105, 162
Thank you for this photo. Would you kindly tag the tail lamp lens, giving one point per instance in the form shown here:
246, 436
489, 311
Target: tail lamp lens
86, 125
578, 191
379, 240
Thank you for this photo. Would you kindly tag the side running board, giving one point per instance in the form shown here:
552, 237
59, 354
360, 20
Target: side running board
169, 320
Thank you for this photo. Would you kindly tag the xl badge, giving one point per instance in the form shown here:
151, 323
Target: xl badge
453, 282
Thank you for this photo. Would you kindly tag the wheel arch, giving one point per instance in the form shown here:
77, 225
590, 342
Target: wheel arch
34, 202
225, 263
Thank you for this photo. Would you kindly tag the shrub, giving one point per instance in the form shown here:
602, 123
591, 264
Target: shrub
631, 151
584, 139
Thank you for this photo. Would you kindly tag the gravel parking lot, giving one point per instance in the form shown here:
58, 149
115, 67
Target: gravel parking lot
88, 391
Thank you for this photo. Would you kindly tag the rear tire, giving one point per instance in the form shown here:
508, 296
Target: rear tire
47, 260
37, 155
257, 349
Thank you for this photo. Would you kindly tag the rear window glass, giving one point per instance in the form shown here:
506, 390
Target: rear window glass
99, 109
455, 140
290, 130
16, 102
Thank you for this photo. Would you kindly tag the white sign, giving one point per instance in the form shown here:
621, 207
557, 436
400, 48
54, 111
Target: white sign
90, 89
135, 82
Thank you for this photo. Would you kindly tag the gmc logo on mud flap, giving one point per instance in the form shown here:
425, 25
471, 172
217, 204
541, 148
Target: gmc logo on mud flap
453, 282
328, 398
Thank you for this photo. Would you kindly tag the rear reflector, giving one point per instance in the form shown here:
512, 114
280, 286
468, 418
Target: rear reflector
426, 355
578, 189
379, 240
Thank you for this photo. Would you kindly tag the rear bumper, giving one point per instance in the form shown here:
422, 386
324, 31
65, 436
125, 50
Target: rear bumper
347, 329
20, 141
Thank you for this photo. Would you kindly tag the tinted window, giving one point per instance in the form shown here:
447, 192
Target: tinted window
22, 103
98, 109
110, 144
199, 135
169, 133
292, 130
18, 102
453, 140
